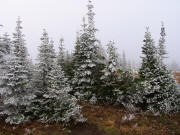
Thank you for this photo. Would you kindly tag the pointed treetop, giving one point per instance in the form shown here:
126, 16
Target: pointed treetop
163, 33
19, 19
44, 32
91, 14
18, 23
162, 23
84, 25
44, 35
147, 35
61, 45
61, 40
162, 48
111, 42
147, 29
90, 5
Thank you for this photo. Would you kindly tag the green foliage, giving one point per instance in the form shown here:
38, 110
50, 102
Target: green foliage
156, 89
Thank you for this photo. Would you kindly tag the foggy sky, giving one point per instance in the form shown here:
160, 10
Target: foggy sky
123, 21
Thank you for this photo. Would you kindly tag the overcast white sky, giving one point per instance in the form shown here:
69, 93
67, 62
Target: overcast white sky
121, 20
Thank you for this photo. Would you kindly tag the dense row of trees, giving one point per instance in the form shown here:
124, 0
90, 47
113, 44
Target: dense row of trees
49, 90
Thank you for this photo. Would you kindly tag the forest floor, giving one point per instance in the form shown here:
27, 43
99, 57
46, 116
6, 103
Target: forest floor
102, 120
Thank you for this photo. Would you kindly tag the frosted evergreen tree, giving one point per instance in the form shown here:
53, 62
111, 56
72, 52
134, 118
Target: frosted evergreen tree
16, 93
112, 65
58, 105
83, 80
52, 52
20, 50
61, 53
88, 58
124, 61
120, 61
161, 48
110, 76
99, 55
68, 66
149, 61
6, 43
4, 54
91, 26
46, 59
158, 91
5, 47
76, 55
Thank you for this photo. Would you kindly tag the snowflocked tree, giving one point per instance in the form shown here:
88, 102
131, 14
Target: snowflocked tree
84, 64
4, 54
124, 61
46, 58
16, 93
59, 105
112, 65
61, 53
157, 90
5, 47
86, 59
68, 66
5, 44
94, 56
161, 48
53, 102
109, 77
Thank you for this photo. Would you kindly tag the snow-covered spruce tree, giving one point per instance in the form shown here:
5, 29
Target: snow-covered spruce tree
86, 59
99, 57
84, 64
65, 60
161, 47
59, 105
149, 67
5, 43
110, 76
5, 47
4, 53
124, 61
112, 65
68, 66
46, 59
157, 90
61, 53
16, 93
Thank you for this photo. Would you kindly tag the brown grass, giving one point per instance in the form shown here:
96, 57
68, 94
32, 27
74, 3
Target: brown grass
109, 120
178, 80
103, 120
177, 74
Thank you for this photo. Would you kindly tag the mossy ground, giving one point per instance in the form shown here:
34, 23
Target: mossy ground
102, 120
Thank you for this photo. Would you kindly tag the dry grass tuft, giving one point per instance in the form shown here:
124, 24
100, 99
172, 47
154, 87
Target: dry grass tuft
102, 120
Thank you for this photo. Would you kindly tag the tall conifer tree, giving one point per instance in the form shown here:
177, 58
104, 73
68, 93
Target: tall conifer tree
61, 54
17, 94
46, 58
161, 47
158, 88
